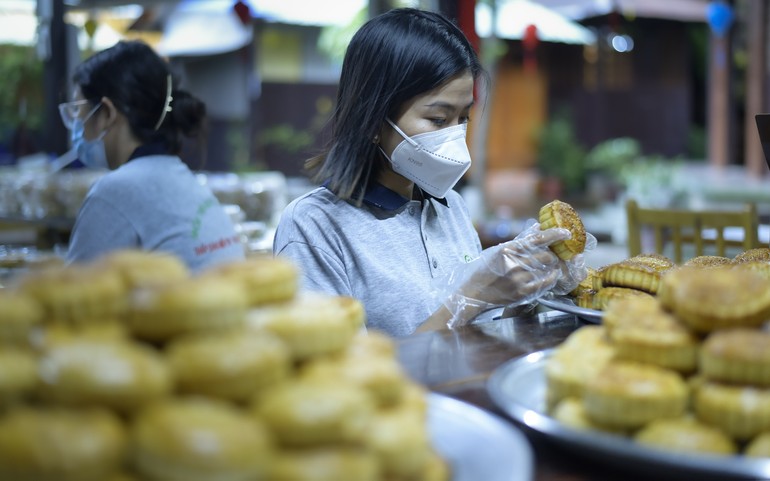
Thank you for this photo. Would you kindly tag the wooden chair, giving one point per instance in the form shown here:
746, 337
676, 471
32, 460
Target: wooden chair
698, 228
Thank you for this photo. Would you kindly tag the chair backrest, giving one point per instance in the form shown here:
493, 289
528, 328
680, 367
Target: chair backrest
699, 228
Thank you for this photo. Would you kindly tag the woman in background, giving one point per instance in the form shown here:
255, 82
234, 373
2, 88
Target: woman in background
386, 227
129, 116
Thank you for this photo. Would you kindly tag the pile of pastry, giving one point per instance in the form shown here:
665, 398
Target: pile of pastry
131, 368
687, 369
640, 276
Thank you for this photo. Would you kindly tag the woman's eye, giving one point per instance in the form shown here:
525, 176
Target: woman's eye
438, 122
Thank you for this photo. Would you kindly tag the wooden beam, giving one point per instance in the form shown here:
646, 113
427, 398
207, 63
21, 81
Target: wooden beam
754, 158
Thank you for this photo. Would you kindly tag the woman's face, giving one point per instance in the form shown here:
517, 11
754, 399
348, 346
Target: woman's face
101, 122
442, 107
90, 128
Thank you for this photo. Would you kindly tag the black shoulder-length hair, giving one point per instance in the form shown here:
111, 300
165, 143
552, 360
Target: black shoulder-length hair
135, 79
391, 59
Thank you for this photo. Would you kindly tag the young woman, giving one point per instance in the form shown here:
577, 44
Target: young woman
128, 115
386, 227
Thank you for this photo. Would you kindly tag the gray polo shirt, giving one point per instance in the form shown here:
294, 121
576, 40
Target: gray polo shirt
385, 253
154, 203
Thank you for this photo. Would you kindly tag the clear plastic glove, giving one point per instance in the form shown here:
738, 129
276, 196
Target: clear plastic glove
574, 270
509, 274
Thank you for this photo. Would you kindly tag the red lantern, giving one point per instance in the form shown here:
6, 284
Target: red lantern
243, 11
530, 42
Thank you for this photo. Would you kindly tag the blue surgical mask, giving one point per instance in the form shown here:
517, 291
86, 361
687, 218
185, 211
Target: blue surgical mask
90, 152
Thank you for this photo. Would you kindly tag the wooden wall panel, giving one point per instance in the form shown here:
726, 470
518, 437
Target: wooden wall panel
518, 108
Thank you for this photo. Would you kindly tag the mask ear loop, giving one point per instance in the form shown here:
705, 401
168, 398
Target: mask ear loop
167, 105
406, 137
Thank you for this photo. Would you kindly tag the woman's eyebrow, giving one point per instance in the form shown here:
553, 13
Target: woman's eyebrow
446, 105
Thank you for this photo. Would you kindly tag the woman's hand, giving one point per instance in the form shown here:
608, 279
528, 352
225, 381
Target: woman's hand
517, 270
512, 273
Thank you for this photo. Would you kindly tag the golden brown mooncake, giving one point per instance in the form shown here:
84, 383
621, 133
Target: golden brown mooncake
606, 295
726, 297
560, 214
140, 268
18, 375
598, 279
571, 412
398, 438
633, 274
641, 330
311, 324
758, 254
76, 294
382, 377
760, 267
655, 260
59, 444
627, 394
707, 261
50, 336
304, 413
740, 411
586, 299
20, 315
230, 364
685, 434
575, 362
199, 438
195, 304
325, 462
738, 356
266, 279
121, 375
586, 284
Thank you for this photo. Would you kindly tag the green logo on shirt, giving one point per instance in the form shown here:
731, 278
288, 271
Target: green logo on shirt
196, 223
468, 258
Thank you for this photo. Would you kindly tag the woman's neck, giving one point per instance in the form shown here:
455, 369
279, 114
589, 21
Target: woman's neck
397, 183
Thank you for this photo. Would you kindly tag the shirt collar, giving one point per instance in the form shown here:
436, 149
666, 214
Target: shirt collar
154, 148
379, 196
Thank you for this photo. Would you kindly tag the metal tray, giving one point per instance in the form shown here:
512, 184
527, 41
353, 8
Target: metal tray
478, 445
518, 387
566, 304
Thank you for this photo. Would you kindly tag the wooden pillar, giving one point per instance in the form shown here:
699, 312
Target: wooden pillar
719, 111
52, 49
754, 158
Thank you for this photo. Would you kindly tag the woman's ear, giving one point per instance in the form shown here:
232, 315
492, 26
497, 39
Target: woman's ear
382, 134
109, 112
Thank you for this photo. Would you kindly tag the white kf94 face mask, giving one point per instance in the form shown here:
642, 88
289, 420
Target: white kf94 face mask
434, 161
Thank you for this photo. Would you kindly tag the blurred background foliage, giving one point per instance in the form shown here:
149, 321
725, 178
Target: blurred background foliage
560, 155
21, 95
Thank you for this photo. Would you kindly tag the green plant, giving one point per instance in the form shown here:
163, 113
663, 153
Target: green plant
612, 156
21, 97
560, 155
650, 172
622, 160
286, 137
